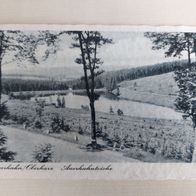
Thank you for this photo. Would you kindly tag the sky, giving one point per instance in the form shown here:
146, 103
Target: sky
129, 49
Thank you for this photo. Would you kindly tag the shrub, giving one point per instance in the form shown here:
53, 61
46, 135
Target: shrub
43, 153
80, 131
63, 102
111, 110
40, 107
4, 113
58, 124
4, 154
22, 119
11, 95
152, 150
99, 130
38, 124
189, 152
14, 117
7, 156
120, 112
39, 112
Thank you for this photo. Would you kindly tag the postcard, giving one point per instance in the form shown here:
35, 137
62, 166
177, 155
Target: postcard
97, 102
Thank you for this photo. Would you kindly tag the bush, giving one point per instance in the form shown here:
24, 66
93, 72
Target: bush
7, 156
4, 113
58, 124
99, 130
40, 107
22, 119
4, 154
40, 104
189, 152
43, 153
58, 101
38, 124
111, 110
80, 131
120, 112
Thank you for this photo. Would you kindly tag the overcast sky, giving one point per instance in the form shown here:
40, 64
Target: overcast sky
130, 49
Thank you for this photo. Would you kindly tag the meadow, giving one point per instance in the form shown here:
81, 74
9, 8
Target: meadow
145, 139
159, 90
134, 137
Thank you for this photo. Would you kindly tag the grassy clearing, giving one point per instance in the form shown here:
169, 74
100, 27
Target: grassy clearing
152, 140
25, 143
159, 90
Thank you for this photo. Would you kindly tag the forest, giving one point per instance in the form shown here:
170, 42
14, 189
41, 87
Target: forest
110, 79
17, 85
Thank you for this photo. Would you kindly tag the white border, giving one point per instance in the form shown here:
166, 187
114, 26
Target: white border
120, 171
116, 28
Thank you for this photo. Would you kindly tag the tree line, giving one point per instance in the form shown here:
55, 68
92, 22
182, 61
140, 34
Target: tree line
18, 85
109, 80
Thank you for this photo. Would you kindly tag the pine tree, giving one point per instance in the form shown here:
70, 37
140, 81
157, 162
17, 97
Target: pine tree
174, 44
89, 42
186, 100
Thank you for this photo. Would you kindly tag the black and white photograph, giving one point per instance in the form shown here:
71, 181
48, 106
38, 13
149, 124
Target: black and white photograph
97, 96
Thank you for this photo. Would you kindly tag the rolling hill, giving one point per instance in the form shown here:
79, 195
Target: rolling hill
159, 90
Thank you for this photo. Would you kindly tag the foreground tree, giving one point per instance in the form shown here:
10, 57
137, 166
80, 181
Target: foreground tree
18, 46
186, 100
89, 42
14, 45
174, 44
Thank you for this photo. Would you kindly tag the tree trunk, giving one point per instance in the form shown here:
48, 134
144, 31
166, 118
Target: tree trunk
1, 57
93, 123
189, 56
194, 47
0, 81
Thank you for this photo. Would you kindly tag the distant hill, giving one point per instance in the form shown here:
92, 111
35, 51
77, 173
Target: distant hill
111, 78
55, 73
108, 79
158, 90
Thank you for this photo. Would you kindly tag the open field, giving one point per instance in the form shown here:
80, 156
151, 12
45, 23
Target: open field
159, 90
63, 151
152, 140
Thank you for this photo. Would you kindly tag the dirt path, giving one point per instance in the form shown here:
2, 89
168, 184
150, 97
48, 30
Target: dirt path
24, 142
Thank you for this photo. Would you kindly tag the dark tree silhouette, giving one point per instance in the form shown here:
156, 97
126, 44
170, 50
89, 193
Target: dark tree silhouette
21, 46
17, 46
174, 44
5, 155
89, 42
186, 100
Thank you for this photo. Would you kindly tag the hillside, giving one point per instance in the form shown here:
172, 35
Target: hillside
38, 72
110, 79
159, 90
